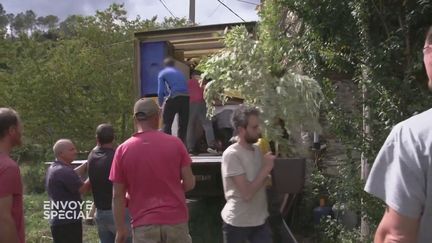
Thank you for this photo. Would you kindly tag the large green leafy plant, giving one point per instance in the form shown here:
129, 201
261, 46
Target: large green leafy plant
288, 100
373, 47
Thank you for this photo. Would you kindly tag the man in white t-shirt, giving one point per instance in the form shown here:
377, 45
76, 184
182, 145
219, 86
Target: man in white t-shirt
244, 173
402, 175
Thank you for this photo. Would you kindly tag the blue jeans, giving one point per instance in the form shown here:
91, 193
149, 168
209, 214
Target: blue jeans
198, 115
106, 226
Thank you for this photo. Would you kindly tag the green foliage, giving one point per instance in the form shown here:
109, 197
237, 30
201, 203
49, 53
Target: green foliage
376, 46
373, 46
65, 79
38, 229
332, 231
32, 158
246, 65
33, 175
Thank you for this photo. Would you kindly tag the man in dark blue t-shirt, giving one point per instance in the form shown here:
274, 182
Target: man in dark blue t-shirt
173, 90
64, 188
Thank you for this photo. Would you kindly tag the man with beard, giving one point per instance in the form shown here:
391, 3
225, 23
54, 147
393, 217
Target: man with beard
244, 174
401, 175
11, 191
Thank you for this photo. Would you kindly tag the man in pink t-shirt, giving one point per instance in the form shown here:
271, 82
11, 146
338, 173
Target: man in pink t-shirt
155, 169
11, 192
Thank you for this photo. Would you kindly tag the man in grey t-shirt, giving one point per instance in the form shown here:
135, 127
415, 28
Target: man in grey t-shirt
402, 175
244, 173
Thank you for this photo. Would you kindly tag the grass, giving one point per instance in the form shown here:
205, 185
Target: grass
204, 224
38, 229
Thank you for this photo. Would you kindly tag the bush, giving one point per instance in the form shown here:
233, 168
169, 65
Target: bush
34, 177
37, 228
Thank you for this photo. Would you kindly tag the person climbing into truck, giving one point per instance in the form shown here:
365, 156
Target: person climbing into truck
173, 96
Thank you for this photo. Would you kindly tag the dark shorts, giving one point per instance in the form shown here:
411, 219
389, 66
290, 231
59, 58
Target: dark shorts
254, 234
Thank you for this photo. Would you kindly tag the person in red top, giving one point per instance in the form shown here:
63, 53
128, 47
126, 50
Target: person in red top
11, 191
198, 114
154, 168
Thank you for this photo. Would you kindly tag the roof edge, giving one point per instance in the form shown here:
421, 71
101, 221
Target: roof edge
192, 29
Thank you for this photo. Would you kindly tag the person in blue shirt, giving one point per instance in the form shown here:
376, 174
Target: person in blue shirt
173, 96
64, 187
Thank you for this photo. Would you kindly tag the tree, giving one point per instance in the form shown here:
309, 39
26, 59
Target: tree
10, 18
51, 21
18, 25
68, 27
284, 96
372, 46
64, 87
30, 21
48, 23
3, 20
170, 22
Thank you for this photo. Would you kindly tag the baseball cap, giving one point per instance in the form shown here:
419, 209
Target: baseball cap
145, 108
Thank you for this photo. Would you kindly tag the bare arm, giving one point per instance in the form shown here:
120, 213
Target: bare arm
119, 205
396, 228
82, 169
8, 232
86, 187
188, 179
249, 188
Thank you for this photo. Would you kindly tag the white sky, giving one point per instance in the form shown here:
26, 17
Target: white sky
207, 11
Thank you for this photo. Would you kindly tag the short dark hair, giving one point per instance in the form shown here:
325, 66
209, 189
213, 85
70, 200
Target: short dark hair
241, 115
105, 133
8, 118
169, 62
